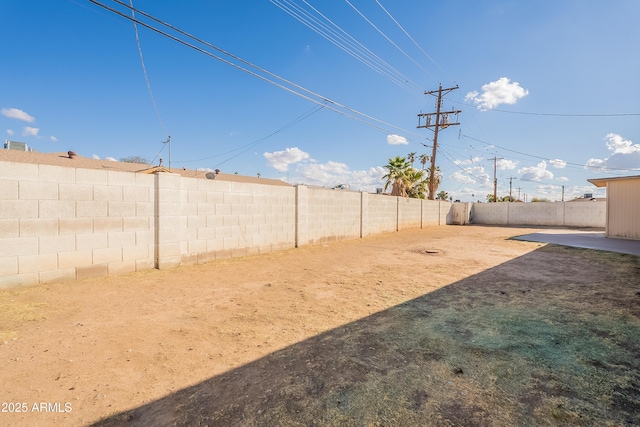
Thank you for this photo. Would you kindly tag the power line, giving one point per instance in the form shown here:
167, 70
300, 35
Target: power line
344, 41
247, 147
566, 115
144, 70
543, 158
529, 113
409, 36
388, 38
350, 113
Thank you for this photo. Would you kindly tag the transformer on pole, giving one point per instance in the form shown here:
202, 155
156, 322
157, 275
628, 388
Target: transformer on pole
436, 121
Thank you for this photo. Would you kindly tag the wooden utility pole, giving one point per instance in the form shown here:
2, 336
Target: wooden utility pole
441, 122
495, 180
168, 141
510, 181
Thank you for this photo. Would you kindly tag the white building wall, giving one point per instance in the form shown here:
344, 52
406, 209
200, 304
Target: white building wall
623, 208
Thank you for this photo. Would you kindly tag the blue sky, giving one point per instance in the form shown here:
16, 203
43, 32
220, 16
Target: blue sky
550, 86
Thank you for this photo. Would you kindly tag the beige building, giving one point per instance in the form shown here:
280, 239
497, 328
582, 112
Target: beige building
623, 206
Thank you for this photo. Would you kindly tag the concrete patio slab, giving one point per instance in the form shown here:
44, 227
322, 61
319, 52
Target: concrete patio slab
584, 239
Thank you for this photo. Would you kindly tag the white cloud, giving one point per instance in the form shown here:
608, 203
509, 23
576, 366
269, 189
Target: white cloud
467, 161
29, 131
472, 175
625, 155
310, 172
562, 179
619, 145
557, 163
204, 170
333, 173
96, 157
111, 159
504, 164
535, 173
53, 138
467, 194
502, 91
280, 160
462, 177
15, 113
551, 192
597, 164
396, 140
10, 132
323, 174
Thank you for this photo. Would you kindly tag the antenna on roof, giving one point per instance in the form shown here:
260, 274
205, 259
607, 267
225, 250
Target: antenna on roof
168, 141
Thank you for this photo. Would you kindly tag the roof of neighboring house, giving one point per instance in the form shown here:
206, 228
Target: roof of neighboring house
63, 159
602, 182
589, 199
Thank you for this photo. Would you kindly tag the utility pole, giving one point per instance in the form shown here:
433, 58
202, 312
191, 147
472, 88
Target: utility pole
495, 180
511, 178
441, 122
563, 193
168, 141
519, 192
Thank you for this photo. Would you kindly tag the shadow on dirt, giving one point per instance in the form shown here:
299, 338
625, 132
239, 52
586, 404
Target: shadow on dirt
534, 341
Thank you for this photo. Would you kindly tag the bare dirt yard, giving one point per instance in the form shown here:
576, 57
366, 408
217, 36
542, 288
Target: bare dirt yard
444, 326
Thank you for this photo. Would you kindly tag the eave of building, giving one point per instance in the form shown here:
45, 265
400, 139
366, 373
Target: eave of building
602, 182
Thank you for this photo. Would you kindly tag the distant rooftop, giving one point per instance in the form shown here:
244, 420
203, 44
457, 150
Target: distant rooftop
15, 145
63, 159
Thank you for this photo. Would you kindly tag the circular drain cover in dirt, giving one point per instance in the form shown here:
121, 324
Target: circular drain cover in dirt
427, 251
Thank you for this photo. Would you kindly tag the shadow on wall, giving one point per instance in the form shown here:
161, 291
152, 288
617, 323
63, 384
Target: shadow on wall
510, 345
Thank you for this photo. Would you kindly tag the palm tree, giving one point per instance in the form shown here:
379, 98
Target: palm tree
417, 184
424, 159
412, 158
397, 176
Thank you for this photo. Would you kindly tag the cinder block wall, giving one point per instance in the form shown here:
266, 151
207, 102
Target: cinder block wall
431, 212
490, 213
409, 213
380, 214
60, 223
225, 219
556, 214
333, 215
63, 223
585, 214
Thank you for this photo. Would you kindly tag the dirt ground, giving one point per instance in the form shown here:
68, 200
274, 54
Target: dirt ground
444, 326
